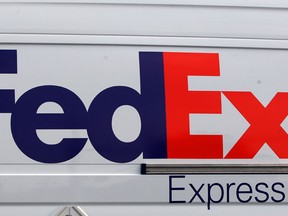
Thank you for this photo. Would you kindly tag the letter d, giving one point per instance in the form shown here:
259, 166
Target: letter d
150, 105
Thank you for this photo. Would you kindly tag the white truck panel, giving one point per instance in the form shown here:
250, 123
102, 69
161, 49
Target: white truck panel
89, 46
147, 19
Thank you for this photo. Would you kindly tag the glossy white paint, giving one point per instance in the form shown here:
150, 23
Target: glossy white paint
188, 20
250, 36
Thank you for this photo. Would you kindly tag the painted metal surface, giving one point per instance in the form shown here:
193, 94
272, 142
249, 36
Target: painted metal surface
259, 71
157, 18
88, 47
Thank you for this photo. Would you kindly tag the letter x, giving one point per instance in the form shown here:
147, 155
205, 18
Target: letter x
197, 193
264, 124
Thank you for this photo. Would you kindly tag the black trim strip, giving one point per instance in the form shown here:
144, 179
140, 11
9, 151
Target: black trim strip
170, 169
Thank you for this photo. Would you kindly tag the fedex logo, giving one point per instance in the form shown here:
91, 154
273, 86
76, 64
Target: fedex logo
164, 104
